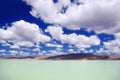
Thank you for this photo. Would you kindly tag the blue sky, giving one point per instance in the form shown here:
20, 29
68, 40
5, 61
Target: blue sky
30, 27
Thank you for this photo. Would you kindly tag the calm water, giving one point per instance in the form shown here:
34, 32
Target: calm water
59, 70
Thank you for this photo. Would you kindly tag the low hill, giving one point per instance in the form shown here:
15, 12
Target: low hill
78, 57
70, 56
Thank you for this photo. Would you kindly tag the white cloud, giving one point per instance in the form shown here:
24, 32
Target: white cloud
44, 52
36, 49
5, 44
13, 52
91, 51
24, 43
50, 45
23, 31
80, 41
24, 53
99, 15
111, 47
71, 51
55, 52
14, 46
53, 45
59, 49
2, 50
114, 45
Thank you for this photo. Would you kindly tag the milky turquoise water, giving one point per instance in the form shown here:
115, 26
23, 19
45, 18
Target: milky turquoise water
59, 70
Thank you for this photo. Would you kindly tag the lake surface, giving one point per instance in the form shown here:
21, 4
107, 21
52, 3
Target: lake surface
59, 70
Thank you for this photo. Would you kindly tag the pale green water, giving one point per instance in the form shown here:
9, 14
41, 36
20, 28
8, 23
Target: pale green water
59, 70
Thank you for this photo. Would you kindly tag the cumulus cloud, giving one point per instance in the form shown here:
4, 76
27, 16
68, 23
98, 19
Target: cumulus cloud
55, 52
24, 43
80, 41
99, 15
5, 44
71, 50
13, 52
24, 32
15, 46
113, 46
53, 45
2, 50
36, 49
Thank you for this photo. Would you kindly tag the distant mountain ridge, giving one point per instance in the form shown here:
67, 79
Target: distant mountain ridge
70, 56
80, 56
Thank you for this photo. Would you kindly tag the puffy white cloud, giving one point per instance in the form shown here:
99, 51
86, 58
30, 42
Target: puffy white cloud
91, 51
13, 52
44, 52
24, 43
113, 46
36, 49
55, 52
24, 53
50, 45
99, 15
23, 31
53, 45
15, 46
5, 44
2, 50
80, 41
71, 50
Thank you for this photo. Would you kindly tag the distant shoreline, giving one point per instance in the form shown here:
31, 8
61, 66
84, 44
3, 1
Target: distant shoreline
71, 56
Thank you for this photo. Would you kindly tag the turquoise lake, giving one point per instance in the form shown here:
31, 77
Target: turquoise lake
59, 70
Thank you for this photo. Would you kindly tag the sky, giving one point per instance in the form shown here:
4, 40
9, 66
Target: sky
54, 27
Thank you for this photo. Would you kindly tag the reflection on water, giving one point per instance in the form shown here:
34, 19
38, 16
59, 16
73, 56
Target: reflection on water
59, 70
